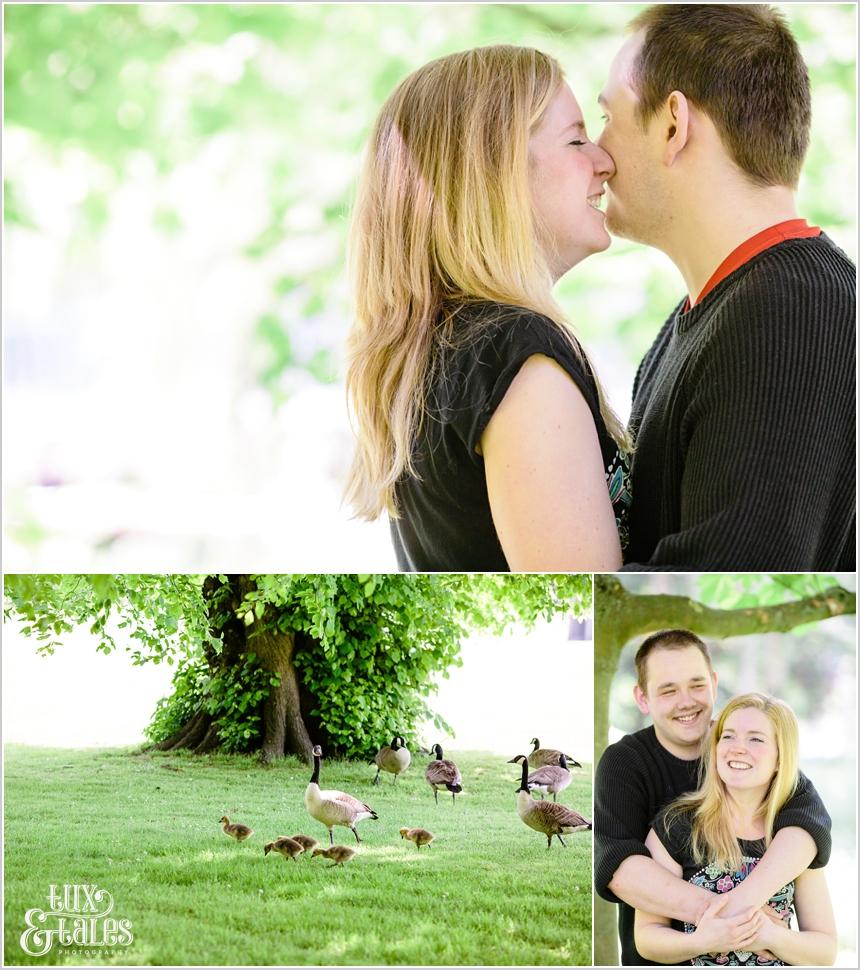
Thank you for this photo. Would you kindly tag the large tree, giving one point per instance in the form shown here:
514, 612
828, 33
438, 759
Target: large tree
747, 604
268, 662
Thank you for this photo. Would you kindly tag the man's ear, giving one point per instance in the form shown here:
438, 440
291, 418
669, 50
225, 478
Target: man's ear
641, 700
676, 121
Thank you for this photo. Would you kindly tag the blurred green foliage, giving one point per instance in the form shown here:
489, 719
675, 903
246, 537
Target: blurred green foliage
164, 82
804, 667
372, 644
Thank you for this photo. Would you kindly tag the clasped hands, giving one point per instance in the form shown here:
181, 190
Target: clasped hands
751, 930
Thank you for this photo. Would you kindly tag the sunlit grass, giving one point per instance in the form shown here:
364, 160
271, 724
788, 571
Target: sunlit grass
146, 829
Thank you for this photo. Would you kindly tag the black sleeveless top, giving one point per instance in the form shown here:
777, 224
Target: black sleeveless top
445, 524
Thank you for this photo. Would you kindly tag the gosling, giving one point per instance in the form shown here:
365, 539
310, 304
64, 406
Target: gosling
339, 854
235, 830
305, 841
287, 847
418, 836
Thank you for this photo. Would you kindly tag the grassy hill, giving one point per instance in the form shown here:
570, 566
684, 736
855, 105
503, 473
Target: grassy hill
145, 828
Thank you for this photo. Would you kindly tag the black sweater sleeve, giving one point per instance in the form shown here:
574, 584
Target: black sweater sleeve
805, 810
622, 815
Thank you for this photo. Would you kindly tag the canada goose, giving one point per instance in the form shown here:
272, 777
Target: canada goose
333, 807
548, 756
551, 819
337, 853
287, 847
443, 774
394, 758
235, 830
549, 780
418, 836
305, 841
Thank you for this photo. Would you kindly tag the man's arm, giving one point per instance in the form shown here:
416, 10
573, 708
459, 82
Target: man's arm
788, 855
623, 867
767, 478
645, 884
802, 840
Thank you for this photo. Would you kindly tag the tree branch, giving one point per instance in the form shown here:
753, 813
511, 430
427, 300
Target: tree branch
668, 612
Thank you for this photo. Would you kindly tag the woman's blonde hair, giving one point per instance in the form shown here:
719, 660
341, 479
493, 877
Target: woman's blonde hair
712, 838
443, 218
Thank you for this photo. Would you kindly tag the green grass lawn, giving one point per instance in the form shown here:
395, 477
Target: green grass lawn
145, 828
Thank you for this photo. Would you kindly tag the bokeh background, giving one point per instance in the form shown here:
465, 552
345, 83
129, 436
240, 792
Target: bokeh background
178, 180
813, 667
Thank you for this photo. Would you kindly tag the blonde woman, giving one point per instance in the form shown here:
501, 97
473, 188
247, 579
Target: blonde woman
715, 836
482, 430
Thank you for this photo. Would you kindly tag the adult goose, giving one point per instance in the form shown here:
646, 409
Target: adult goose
442, 773
393, 758
546, 817
548, 756
549, 780
334, 807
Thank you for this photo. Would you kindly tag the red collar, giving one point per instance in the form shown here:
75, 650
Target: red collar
790, 229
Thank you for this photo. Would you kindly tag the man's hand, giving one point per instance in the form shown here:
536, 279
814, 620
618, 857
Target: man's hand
716, 933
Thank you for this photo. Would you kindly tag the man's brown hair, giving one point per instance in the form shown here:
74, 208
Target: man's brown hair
667, 640
740, 65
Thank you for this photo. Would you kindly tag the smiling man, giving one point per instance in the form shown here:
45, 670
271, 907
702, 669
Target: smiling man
638, 775
744, 407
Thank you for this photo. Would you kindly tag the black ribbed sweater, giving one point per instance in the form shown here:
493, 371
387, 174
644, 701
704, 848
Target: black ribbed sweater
744, 415
635, 778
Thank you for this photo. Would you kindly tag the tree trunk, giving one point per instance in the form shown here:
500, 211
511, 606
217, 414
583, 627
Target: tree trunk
620, 615
284, 729
188, 736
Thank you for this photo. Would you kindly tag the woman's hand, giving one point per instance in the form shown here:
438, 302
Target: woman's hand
771, 923
719, 934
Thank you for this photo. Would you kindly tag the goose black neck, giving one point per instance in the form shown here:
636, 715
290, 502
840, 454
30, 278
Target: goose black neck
395, 743
563, 762
536, 744
524, 784
438, 749
315, 777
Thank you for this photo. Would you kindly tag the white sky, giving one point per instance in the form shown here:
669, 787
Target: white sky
508, 690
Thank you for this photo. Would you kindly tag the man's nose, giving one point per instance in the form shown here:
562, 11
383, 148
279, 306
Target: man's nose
604, 167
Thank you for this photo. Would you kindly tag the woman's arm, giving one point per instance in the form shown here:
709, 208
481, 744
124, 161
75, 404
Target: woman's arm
814, 943
657, 940
545, 476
